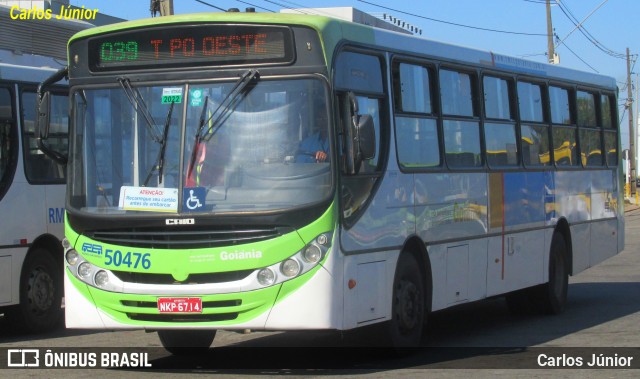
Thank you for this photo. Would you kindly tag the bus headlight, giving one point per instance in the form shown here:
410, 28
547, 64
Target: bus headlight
322, 239
84, 270
303, 261
266, 277
290, 268
101, 279
72, 257
66, 244
312, 254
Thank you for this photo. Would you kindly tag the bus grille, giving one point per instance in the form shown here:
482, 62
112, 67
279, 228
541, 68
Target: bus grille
192, 238
148, 278
182, 317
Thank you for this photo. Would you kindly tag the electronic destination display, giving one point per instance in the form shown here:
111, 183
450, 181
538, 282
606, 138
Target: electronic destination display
191, 45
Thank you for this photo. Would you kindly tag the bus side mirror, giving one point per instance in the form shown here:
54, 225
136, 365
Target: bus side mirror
366, 137
359, 135
43, 116
43, 112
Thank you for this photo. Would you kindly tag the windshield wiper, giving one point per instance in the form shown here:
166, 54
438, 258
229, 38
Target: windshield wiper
136, 100
222, 112
159, 165
228, 104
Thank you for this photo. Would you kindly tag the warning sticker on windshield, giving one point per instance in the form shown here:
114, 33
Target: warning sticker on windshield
148, 199
172, 95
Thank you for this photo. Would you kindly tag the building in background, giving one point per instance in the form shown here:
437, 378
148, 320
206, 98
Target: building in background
384, 21
25, 42
55, 6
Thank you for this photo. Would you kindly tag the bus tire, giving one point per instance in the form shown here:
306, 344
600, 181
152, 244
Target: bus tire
186, 342
41, 290
408, 305
552, 296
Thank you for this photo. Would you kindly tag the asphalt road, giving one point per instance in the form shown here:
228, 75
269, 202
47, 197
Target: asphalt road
481, 339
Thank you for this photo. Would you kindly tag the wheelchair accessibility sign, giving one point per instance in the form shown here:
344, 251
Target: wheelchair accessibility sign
193, 199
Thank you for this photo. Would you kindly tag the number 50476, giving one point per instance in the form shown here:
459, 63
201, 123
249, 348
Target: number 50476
129, 259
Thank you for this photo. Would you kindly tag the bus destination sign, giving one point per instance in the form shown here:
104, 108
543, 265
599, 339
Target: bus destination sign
193, 45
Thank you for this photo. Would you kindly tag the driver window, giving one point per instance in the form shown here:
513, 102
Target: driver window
361, 75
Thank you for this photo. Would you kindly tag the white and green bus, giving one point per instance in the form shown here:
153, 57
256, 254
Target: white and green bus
233, 171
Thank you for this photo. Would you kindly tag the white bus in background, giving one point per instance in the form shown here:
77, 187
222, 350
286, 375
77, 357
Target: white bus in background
32, 185
31, 203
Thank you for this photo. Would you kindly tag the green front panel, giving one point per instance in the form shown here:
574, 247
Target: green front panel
180, 263
218, 309
222, 309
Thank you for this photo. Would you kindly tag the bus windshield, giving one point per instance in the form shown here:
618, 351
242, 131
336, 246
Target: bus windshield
200, 147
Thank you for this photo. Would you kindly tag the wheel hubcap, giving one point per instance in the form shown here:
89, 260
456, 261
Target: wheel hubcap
40, 291
408, 305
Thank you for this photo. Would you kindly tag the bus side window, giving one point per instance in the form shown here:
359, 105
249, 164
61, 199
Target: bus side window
610, 133
460, 123
6, 143
417, 139
534, 132
589, 129
500, 132
39, 168
564, 132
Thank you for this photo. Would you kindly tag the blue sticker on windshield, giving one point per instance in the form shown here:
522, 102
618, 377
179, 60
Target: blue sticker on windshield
196, 97
194, 199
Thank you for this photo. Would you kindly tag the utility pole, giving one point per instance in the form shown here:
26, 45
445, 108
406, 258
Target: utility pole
635, 136
632, 149
164, 7
550, 48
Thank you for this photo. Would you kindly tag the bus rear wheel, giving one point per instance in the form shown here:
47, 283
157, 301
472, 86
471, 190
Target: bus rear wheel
552, 296
408, 306
40, 307
186, 342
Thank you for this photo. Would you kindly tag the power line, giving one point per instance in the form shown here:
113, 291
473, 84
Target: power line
622, 117
303, 8
577, 56
286, 6
255, 6
452, 23
210, 5
225, 10
586, 33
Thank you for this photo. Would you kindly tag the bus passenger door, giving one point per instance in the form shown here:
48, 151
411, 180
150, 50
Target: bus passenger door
8, 161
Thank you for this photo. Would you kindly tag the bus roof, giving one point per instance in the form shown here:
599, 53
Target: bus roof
334, 31
22, 73
47, 38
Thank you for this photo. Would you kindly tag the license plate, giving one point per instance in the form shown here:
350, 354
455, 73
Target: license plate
180, 305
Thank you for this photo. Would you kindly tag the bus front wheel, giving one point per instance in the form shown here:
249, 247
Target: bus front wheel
408, 307
41, 290
184, 342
